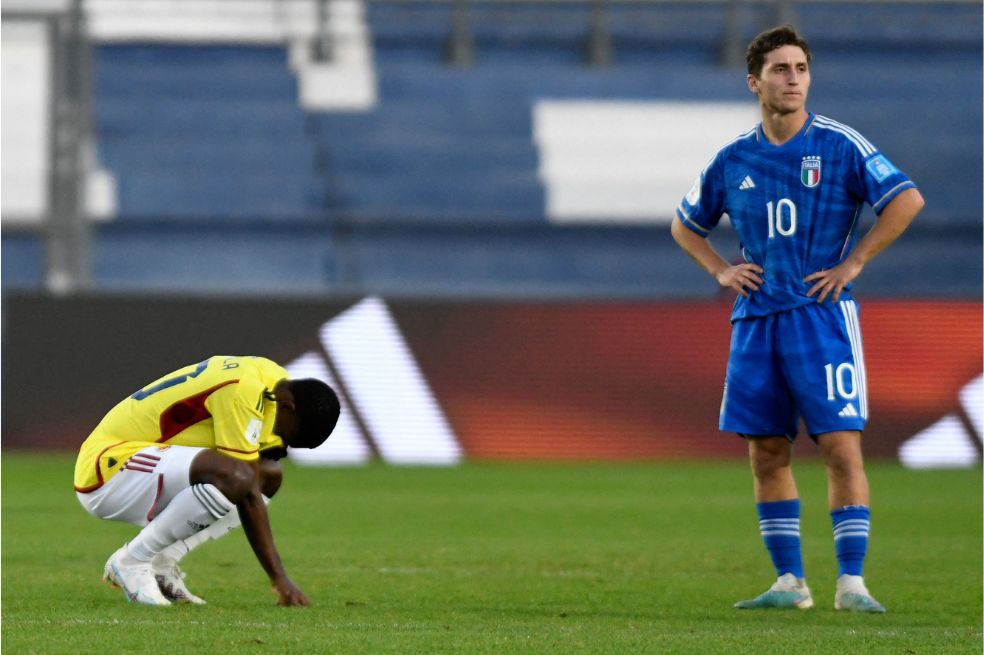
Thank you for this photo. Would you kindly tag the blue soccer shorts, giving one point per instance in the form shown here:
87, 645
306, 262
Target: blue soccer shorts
804, 363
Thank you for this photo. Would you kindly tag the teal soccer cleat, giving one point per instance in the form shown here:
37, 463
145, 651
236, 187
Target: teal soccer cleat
853, 596
788, 592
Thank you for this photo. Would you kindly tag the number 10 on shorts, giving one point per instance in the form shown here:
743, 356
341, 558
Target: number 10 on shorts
843, 379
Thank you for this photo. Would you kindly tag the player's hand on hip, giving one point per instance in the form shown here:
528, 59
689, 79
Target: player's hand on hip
742, 278
832, 281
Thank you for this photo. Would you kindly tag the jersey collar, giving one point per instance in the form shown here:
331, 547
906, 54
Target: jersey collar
764, 142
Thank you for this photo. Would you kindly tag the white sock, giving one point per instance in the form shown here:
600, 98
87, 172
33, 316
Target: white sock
176, 551
191, 511
852, 584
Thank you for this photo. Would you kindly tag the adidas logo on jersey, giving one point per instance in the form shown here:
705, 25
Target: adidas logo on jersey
848, 410
747, 183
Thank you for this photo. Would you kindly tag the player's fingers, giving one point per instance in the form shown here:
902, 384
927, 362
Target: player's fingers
814, 276
748, 276
743, 284
751, 276
294, 600
288, 597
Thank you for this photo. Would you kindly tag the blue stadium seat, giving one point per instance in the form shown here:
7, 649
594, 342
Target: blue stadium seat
22, 262
209, 146
204, 132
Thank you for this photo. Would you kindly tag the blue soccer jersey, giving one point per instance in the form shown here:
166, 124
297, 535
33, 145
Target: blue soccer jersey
794, 206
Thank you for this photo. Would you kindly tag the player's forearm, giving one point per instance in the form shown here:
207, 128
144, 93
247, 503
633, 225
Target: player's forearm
698, 249
256, 524
893, 221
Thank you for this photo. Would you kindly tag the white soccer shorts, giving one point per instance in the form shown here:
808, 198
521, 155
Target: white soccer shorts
144, 486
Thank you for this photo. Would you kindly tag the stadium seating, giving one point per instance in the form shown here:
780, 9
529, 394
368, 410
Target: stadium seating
436, 189
204, 132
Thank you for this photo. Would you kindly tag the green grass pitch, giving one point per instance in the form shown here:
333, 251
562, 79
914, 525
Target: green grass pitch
504, 558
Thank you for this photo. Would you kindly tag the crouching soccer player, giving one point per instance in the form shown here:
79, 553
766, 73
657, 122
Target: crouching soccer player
192, 456
793, 187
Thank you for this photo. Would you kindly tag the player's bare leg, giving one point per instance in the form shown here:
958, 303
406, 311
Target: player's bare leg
849, 501
771, 460
847, 483
777, 502
170, 577
218, 484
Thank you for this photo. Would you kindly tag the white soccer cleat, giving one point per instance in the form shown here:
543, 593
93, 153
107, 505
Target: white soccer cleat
170, 580
853, 596
135, 578
788, 592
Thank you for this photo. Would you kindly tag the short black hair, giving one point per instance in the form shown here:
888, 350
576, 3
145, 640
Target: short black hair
317, 408
773, 39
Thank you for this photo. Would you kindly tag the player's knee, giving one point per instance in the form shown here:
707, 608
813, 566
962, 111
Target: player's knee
240, 480
769, 457
765, 468
841, 452
235, 479
271, 477
843, 462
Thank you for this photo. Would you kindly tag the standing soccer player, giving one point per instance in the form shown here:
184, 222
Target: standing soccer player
793, 188
190, 457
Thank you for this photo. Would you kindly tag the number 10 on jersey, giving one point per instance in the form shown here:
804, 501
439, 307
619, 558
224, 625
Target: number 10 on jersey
782, 218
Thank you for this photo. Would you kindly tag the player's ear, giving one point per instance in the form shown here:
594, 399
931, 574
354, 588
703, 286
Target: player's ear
752, 82
285, 398
286, 402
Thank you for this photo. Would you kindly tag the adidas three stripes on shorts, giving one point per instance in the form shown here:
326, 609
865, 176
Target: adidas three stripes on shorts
804, 363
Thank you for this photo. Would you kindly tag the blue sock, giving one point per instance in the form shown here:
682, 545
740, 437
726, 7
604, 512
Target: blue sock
851, 526
779, 523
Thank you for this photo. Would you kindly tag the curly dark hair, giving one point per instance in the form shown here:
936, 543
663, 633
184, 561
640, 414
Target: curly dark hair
770, 40
317, 408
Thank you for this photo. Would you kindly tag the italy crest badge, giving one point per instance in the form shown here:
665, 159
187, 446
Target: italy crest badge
810, 171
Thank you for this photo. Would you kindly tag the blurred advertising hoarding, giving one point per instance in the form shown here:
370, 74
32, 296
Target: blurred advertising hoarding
438, 382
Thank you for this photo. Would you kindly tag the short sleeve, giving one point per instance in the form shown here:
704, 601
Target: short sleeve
881, 181
237, 416
701, 209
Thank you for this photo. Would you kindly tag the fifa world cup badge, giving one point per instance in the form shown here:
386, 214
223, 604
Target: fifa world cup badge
810, 171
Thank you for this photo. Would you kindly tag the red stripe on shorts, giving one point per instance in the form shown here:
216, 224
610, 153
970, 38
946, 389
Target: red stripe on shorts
157, 498
130, 466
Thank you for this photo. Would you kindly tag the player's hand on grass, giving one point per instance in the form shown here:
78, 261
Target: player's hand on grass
742, 278
289, 595
832, 281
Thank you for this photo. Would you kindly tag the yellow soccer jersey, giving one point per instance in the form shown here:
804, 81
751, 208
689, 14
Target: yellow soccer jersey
224, 403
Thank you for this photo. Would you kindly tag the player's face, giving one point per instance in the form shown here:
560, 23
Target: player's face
784, 82
287, 426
